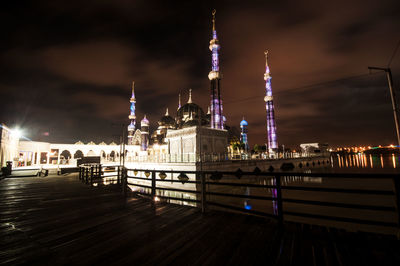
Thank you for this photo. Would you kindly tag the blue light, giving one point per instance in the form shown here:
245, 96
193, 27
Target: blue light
247, 207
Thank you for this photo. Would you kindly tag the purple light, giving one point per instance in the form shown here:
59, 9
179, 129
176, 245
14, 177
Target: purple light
272, 142
214, 76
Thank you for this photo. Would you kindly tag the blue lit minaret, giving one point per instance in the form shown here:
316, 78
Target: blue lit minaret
243, 134
132, 117
272, 143
215, 78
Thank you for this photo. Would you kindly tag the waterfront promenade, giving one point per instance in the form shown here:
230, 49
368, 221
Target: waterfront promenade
58, 220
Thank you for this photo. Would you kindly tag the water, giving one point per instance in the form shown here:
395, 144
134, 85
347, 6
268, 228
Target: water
339, 163
365, 163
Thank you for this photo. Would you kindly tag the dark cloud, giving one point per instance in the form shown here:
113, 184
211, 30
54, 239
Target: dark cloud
67, 66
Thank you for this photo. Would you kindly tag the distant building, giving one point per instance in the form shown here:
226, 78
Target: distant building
8, 145
310, 149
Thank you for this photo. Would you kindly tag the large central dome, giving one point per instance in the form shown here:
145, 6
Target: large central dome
190, 114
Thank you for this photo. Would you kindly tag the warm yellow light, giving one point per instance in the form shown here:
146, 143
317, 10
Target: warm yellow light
156, 198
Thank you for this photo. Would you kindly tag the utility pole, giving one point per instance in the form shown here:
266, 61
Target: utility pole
393, 96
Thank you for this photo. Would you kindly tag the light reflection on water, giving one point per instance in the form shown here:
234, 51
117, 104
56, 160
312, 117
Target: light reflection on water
361, 162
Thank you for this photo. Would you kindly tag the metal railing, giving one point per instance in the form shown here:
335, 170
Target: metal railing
205, 193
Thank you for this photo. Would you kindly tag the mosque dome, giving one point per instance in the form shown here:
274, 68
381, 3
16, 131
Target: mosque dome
167, 121
131, 126
244, 123
145, 121
189, 114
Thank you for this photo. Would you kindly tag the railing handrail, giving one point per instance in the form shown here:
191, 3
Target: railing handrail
273, 174
200, 179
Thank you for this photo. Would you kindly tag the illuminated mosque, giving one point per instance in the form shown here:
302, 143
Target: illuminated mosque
189, 135
192, 131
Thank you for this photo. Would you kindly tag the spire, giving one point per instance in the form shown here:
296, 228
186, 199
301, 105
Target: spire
213, 21
166, 113
267, 73
133, 89
208, 110
179, 101
190, 96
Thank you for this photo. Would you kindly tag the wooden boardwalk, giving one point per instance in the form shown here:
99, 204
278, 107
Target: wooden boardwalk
57, 220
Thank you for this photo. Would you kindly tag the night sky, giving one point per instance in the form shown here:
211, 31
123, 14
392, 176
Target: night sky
67, 66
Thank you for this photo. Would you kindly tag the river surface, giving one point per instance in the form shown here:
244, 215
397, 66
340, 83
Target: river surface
365, 163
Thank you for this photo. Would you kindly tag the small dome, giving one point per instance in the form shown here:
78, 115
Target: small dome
145, 121
131, 126
167, 121
244, 123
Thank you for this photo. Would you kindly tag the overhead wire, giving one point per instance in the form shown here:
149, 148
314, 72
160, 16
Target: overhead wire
306, 86
394, 53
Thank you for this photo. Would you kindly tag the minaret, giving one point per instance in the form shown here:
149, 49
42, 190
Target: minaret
190, 96
243, 134
215, 78
179, 102
132, 116
272, 143
144, 128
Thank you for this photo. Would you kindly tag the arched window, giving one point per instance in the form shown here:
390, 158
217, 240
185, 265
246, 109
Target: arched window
78, 154
66, 154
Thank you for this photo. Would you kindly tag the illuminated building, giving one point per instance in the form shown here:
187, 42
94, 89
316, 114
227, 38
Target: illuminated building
132, 117
217, 119
272, 143
243, 134
8, 144
144, 128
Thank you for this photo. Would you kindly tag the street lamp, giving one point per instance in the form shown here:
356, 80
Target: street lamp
393, 96
16, 133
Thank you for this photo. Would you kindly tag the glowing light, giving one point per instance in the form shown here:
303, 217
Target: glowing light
156, 198
247, 207
394, 160
16, 133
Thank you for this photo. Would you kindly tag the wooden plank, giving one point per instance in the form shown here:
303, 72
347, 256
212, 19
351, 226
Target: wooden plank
59, 220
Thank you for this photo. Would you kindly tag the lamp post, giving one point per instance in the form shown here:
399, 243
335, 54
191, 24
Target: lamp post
393, 96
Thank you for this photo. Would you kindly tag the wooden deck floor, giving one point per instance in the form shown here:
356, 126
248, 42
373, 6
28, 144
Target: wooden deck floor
57, 220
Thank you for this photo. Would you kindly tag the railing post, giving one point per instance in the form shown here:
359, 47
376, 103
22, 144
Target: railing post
279, 198
87, 175
80, 173
125, 181
153, 185
99, 173
118, 174
91, 175
203, 192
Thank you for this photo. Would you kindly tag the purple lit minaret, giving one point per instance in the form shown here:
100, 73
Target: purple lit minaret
215, 78
132, 117
272, 143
